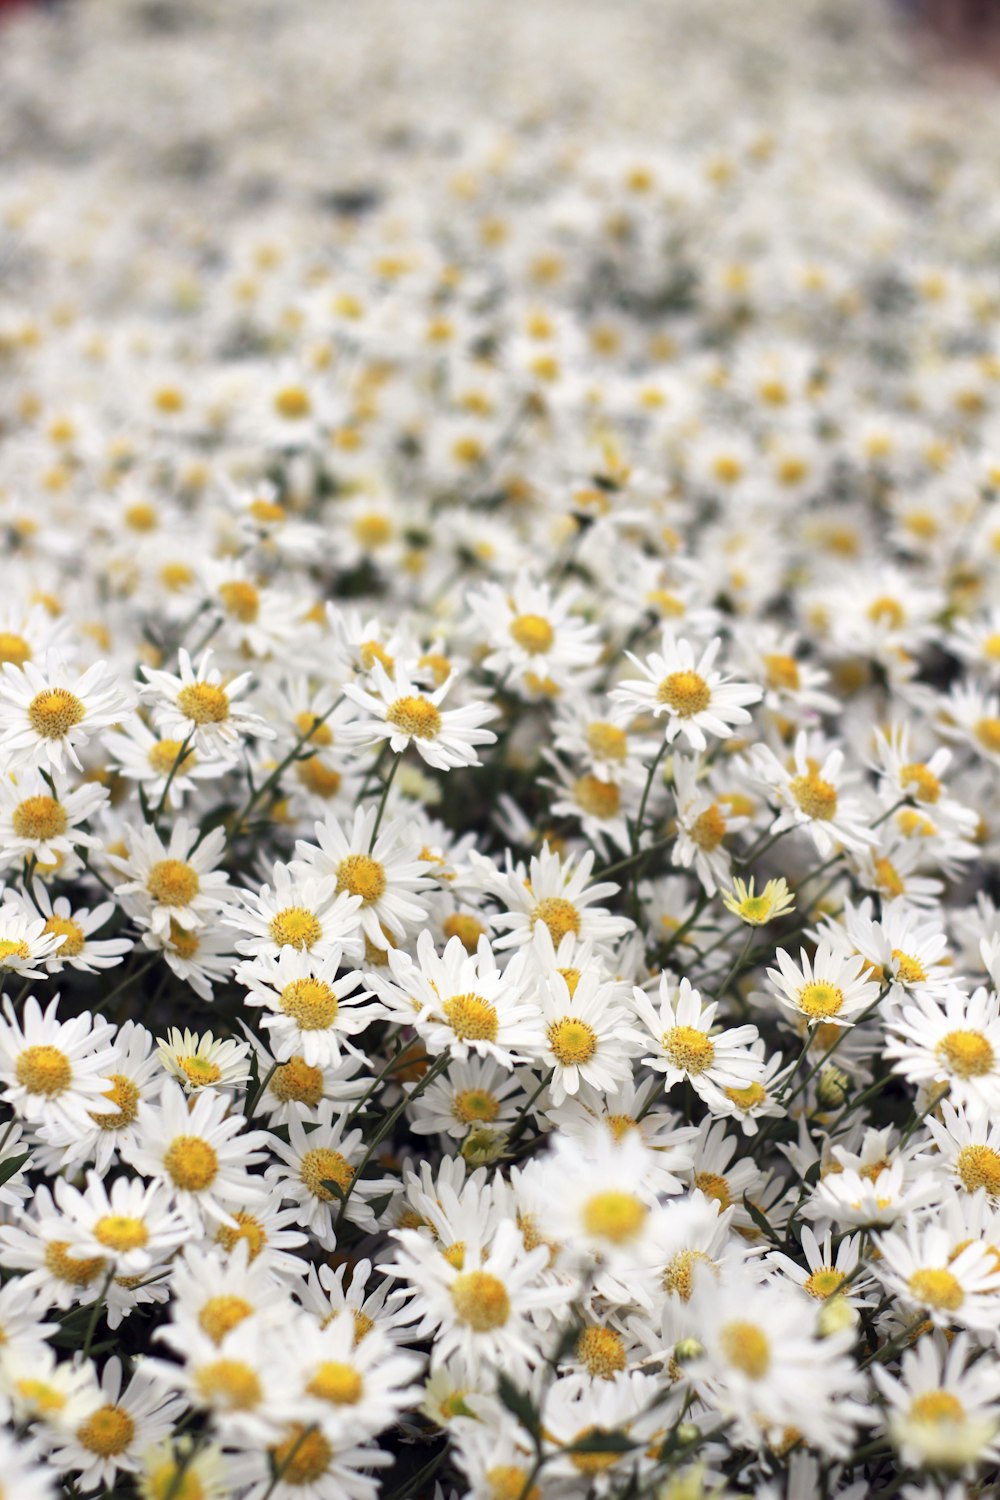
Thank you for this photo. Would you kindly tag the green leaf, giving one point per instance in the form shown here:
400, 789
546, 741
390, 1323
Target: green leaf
333, 1187
11, 1165
760, 1221
379, 1205
520, 1405
602, 1440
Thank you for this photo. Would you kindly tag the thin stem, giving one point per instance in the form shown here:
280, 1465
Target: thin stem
259, 1091
630, 859
96, 1313
288, 1459
181, 757
279, 770
522, 1114
382, 801
433, 1072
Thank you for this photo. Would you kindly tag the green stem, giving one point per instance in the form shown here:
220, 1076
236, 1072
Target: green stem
288, 1459
280, 770
259, 1091
382, 801
433, 1072
521, 1121
181, 757
96, 1313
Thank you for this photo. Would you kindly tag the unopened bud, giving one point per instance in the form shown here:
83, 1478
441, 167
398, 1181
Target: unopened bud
688, 1433
687, 1349
831, 1090
482, 1146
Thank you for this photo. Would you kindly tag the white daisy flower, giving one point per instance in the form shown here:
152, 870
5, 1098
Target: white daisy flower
351, 1389
162, 768
173, 882
54, 1073
76, 925
310, 1012
114, 1439
554, 892
682, 688
809, 792
942, 1412
44, 821
534, 634
686, 1050
317, 1170
26, 940
832, 988
587, 1033
954, 1040
197, 1148
200, 708
50, 715
384, 872
951, 1283
199, 1061
405, 715
304, 913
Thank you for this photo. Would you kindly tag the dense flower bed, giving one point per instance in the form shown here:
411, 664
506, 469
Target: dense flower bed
499, 743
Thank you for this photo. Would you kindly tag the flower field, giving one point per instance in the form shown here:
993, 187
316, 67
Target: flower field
499, 753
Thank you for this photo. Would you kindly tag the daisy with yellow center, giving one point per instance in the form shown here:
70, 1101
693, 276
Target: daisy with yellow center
476, 1093
694, 700
382, 874
176, 882
757, 908
317, 1171
533, 635
53, 1072
202, 1061
405, 714
587, 1032
199, 1150
300, 913
687, 1049
43, 820
200, 709
49, 715
459, 1003
312, 1008
953, 1039
943, 1409
832, 988
704, 822
812, 793
954, 1286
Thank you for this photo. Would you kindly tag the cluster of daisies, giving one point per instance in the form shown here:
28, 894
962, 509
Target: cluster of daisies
499, 756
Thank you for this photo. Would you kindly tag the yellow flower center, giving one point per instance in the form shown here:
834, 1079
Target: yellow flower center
474, 1107
204, 703
241, 600
614, 1216
937, 1288
191, 1163
53, 712
601, 1351
39, 818
688, 1048
169, 1481
183, 941
71, 1268
987, 732
510, 1482
936, 1406
533, 634
606, 741
250, 1231
967, 1054
294, 927
708, 830
472, 1018
819, 1001
686, 693
909, 970
714, 1186
13, 948
121, 1232
601, 799
362, 876
782, 672
979, 1166
14, 648
481, 1301
339, 1384
44, 1399
572, 1041
747, 1349
199, 1070
297, 1082
415, 716
823, 1282
620, 1125
371, 652
230, 1383
678, 1274
107, 1433
321, 780
173, 882
292, 402
72, 934
886, 611
324, 1165
125, 1096
220, 1315
303, 1457
466, 928
559, 915
373, 530
748, 1098
816, 797
43, 1070
920, 782
163, 757
311, 1003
